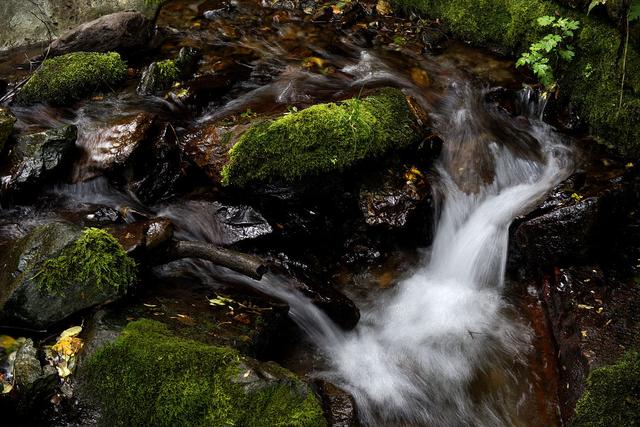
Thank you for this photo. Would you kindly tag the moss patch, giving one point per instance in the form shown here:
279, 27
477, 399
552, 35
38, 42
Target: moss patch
72, 76
159, 76
96, 257
592, 80
150, 377
612, 396
322, 138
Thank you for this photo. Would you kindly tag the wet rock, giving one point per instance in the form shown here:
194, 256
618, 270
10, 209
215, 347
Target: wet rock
7, 119
123, 32
38, 158
25, 300
105, 214
433, 39
156, 169
594, 319
110, 148
140, 239
240, 222
26, 368
339, 406
161, 75
392, 201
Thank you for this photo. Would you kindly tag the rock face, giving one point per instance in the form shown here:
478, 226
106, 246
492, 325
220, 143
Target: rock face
121, 32
210, 385
57, 270
38, 158
24, 23
240, 222
7, 119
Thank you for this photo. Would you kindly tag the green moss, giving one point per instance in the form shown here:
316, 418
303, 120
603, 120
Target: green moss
159, 76
612, 396
96, 257
150, 377
321, 138
72, 76
592, 81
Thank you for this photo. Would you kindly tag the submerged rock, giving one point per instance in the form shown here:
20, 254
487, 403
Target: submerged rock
73, 76
208, 384
320, 139
38, 158
7, 120
58, 270
121, 32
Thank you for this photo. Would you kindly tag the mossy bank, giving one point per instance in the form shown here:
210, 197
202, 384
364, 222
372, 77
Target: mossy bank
70, 77
323, 138
591, 81
149, 376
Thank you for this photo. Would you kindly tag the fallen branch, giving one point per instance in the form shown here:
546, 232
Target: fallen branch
246, 264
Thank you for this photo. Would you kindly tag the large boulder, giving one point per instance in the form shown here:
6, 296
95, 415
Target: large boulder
64, 79
208, 385
38, 158
24, 23
57, 270
121, 32
323, 138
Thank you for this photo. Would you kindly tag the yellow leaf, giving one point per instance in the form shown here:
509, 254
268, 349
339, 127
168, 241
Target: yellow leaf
6, 388
585, 307
68, 346
71, 332
63, 370
8, 343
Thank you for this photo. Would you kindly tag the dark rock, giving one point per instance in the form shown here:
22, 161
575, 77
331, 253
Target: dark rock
339, 406
594, 319
155, 169
433, 39
240, 222
111, 147
187, 61
22, 301
203, 89
392, 201
124, 32
209, 148
105, 214
7, 119
38, 158
141, 239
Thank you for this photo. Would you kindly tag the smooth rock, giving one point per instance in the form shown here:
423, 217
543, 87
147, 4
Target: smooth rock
38, 158
339, 406
240, 222
123, 32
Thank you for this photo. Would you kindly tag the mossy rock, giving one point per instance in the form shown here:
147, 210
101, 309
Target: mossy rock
59, 269
149, 376
591, 81
612, 396
323, 138
158, 76
7, 120
73, 76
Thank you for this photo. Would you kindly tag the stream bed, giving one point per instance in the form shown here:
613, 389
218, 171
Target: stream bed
450, 333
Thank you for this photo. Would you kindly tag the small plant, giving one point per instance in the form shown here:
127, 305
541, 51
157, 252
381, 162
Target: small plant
545, 54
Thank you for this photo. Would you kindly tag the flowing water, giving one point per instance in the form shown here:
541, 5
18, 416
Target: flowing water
445, 347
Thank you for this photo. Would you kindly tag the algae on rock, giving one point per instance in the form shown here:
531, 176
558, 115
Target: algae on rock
149, 376
322, 138
70, 77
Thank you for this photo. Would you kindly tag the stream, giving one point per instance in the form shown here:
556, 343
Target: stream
452, 342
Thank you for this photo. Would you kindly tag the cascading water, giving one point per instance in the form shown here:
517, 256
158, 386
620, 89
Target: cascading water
440, 348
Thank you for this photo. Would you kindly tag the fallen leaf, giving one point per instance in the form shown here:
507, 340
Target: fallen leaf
8, 343
71, 332
585, 307
68, 346
6, 388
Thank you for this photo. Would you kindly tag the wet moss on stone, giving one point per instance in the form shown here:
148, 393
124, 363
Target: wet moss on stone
322, 138
96, 257
591, 81
612, 396
69, 77
150, 377
159, 76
